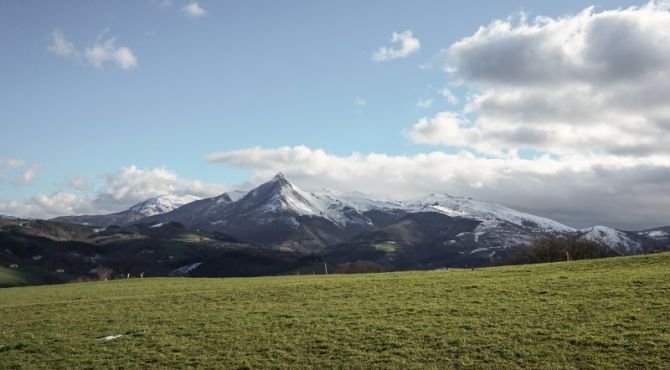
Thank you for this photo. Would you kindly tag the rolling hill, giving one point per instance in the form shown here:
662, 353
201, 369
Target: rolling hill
608, 313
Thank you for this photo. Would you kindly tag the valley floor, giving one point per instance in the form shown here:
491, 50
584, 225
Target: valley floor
609, 313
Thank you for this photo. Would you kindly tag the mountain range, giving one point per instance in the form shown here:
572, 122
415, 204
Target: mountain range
280, 215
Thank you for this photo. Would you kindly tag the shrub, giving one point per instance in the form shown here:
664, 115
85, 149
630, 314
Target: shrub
103, 272
359, 267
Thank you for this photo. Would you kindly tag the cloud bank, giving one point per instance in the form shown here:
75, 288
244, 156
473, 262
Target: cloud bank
119, 191
592, 82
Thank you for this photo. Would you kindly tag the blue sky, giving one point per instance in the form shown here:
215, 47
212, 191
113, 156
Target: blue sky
246, 74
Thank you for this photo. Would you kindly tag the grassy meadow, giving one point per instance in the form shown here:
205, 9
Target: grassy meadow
609, 313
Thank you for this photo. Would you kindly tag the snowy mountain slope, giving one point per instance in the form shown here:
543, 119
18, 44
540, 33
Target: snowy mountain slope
150, 207
618, 240
194, 212
491, 214
162, 204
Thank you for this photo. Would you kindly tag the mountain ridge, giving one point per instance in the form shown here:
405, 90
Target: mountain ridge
279, 214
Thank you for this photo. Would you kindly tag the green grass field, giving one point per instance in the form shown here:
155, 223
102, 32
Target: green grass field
28, 276
612, 313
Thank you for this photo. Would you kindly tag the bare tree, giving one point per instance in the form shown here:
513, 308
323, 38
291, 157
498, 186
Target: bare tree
103, 272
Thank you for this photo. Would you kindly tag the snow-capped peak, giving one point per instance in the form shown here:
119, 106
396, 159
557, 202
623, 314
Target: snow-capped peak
279, 177
280, 195
162, 204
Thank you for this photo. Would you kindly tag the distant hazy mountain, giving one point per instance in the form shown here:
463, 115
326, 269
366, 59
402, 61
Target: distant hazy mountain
150, 207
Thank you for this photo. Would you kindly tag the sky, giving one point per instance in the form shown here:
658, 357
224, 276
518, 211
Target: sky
554, 108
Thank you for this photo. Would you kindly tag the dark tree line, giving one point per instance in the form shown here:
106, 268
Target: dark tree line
560, 248
359, 267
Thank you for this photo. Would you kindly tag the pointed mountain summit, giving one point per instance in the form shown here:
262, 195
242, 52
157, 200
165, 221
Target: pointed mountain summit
279, 177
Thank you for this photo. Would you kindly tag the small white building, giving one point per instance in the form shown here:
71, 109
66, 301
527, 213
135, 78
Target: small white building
13, 266
60, 271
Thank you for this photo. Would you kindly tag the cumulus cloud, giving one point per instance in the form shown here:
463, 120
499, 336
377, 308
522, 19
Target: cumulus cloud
132, 185
44, 206
444, 128
194, 10
119, 191
101, 52
408, 45
621, 191
594, 81
106, 51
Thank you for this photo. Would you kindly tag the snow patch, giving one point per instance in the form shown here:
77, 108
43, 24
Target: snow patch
491, 214
655, 234
185, 270
110, 337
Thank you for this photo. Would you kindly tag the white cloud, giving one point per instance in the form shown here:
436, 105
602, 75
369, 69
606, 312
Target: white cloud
119, 191
444, 128
61, 46
360, 102
591, 82
425, 103
194, 10
28, 175
408, 45
43, 206
102, 51
131, 185
620, 191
